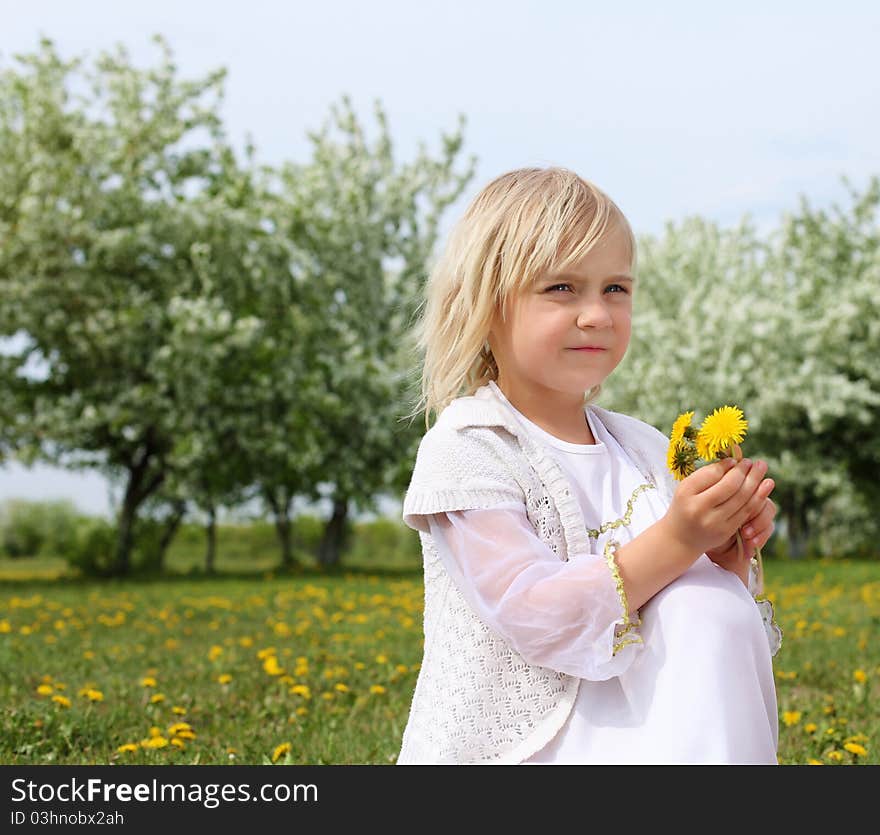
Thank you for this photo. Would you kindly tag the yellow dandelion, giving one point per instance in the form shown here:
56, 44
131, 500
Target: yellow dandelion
155, 742
177, 727
215, 652
680, 460
94, 695
814, 761
45, 689
377, 688
178, 742
834, 755
272, 667
186, 734
148, 681
156, 698
180, 711
280, 751
860, 676
129, 746
224, 678
855, 748
61, 700
791, 717
722, 429
342, 688
810, 727
381, 659
682, 422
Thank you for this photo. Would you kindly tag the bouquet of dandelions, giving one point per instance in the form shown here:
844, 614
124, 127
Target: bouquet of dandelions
718, 437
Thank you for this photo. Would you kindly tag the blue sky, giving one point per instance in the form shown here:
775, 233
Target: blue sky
673, 108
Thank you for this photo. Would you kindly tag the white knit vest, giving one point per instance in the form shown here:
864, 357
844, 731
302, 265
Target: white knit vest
476, 699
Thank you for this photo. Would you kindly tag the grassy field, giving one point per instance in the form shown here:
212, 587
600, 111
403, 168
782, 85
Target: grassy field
312, 669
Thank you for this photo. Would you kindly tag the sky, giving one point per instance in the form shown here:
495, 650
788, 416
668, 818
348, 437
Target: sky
674, 108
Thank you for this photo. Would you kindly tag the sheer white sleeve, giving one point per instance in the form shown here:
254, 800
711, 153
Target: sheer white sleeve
570, 616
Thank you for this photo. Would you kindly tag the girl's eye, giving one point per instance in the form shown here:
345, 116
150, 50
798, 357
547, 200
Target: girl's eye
621, 287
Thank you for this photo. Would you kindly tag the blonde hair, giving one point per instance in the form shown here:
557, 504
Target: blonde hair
521, 225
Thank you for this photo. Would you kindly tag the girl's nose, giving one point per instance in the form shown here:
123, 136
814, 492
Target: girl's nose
594, 313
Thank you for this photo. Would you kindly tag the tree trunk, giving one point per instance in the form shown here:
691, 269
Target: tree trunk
334, 538
211, 531
280, 505
794, 509
169, 532
139, 487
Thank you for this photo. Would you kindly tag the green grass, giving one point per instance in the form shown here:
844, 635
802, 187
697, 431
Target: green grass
359, 628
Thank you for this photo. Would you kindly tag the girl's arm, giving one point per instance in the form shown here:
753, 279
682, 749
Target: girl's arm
571, 616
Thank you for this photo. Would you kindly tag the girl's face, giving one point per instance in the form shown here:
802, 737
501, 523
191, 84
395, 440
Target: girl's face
589, 304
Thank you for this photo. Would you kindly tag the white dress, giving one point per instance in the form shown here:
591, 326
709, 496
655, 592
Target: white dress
697, 689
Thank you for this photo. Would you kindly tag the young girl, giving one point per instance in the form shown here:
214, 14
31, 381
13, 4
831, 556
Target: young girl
580, 605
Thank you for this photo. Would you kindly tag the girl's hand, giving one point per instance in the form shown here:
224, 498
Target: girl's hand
755, 533
713, 502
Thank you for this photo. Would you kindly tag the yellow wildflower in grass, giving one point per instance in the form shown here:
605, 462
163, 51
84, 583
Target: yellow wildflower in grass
178, 742
155, 742
215, 652
129, 746
834, 755
381, 659
722, 429
342, 688
224, 678
265, 653
272, 667
177, 727
813, 761
302, 711
377, 688
855, 748
155, 731
61, 700
301, 690
180, 711
186, 734
92, 695
156, 698
45, 689
791, 717
280, 751
148, 681
860, 676
810, 727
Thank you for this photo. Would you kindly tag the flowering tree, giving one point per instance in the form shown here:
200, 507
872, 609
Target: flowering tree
365, 226
122, 208
785, 327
